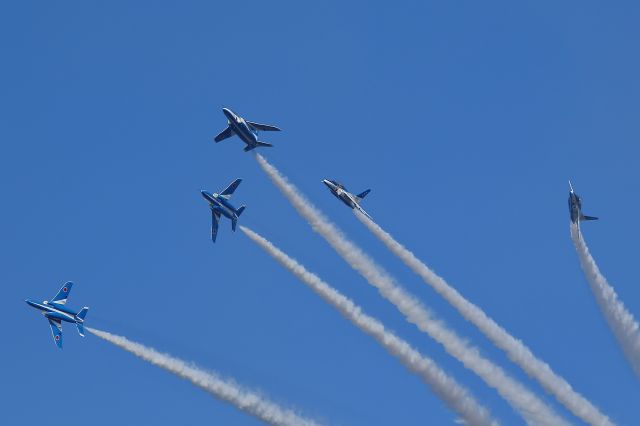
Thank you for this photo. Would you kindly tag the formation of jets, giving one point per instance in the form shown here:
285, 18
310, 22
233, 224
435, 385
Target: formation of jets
55, 310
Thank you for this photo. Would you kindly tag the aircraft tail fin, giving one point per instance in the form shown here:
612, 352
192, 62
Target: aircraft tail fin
583, 217
83, 313
234, 221
363, 194
257, 145
80, 328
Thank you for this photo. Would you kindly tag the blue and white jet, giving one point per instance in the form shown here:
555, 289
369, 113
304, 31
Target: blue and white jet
246, 130
55, 311
575, 208
346, 197
220, 206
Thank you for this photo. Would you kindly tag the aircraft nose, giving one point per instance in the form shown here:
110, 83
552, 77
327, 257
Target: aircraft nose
326, 182
228, 113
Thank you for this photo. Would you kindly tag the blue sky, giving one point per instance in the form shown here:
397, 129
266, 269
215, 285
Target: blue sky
465, 119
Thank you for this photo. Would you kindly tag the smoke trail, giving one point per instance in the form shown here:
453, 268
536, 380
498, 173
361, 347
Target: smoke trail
515, 349
620, 320
226, 390
528, 405
445, 387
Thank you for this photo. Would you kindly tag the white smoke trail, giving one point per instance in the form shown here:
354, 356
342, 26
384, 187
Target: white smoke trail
527, 404
517, 351
445, 387
624, 326
226, 390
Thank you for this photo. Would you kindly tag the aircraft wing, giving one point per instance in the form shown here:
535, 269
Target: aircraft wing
229, 190
226, 133
61, 297
215, 218
56, 331
263, 127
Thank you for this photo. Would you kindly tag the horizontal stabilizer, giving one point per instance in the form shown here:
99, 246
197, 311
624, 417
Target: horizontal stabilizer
256, 145
263, 127
583, 217
364, 213
240, 210
80, 328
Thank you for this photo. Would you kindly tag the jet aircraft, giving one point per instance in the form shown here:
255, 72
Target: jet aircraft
345, 196
575, 208
220, 206
56, 312
246, 130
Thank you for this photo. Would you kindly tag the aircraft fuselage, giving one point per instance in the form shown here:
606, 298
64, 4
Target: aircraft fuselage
220, 205
575, 207
240, 127
55, 312
341, 193
345, 197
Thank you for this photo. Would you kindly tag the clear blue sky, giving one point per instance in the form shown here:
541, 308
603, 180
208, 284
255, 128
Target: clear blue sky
465, 119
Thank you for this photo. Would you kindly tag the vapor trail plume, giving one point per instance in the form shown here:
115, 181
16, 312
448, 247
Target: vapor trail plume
445, 387
624, 326
226, 390
527, 404
517, 351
